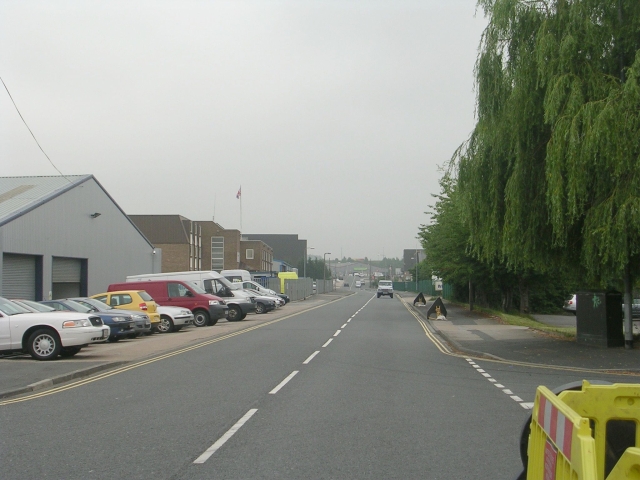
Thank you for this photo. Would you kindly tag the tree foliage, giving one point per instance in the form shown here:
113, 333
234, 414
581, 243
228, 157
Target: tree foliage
550, 176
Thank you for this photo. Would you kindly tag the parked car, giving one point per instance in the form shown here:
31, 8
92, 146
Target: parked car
142, 320
173, 319
358, 284
264, 304
238, 303
207, 309
45, 335
635, 308
251, 285
120, 323
135, 300
570, 304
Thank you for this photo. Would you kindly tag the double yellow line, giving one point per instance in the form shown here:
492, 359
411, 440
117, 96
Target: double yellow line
142, 363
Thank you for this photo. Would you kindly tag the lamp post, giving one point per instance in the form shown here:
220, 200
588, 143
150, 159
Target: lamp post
417, 262
304, 274
324, 271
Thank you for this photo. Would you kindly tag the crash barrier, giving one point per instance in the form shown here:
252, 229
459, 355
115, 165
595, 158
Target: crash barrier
587, 434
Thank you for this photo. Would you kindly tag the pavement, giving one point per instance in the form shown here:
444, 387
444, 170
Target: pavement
466, 332
475, 334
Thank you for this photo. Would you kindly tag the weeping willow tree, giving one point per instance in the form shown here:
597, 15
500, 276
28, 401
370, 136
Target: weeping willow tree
501, 169
552, 169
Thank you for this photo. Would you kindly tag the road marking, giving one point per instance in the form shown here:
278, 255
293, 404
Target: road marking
223, 439
486, 375
328, 342
343, 325
284, 382
337, 333
311, 357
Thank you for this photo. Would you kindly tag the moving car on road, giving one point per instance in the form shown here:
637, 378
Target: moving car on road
385, 287
46, 335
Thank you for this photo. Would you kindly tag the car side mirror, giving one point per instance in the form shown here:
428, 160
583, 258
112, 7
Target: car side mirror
189, 293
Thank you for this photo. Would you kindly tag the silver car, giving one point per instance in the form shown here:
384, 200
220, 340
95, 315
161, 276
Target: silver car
570, 304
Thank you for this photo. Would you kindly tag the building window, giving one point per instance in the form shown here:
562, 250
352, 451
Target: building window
217, 253
249, 254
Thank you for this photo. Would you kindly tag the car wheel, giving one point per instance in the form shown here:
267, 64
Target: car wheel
200, 318
69, 351
165, 325
234, 314
378, 295
391, 295
260, 308
44, 344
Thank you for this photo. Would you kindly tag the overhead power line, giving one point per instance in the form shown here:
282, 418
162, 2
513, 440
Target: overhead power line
34, 137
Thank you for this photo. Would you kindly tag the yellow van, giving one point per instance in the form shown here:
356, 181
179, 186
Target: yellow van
286, 276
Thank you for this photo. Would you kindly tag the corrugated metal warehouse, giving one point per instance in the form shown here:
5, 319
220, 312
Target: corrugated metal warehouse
65, 236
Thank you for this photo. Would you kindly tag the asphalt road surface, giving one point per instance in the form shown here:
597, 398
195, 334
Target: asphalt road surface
354, 389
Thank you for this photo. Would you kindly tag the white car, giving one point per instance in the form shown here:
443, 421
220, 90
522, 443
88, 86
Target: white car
173, 319
46, 335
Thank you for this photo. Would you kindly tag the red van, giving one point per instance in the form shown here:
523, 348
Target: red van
207, 309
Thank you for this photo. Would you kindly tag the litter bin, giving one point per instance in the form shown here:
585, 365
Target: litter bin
599, 319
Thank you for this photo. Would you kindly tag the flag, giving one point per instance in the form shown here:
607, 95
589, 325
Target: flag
239, 194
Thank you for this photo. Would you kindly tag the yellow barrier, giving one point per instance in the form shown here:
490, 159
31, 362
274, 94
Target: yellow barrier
587, 434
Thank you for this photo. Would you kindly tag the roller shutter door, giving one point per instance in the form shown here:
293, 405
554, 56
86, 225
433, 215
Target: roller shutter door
65, 270
19, 276
65, 277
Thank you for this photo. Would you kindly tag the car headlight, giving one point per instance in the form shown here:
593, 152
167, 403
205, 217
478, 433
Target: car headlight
214, 302
76, 323
186, 312
119, 319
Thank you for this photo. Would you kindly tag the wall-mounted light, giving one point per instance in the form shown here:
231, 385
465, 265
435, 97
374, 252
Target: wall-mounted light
154, 251
95, 215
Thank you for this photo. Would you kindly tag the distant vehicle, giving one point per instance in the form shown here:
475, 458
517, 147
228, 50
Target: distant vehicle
43, 335
358, 284
570, 304
385, 287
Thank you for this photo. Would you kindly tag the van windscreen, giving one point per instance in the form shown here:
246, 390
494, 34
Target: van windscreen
195, 287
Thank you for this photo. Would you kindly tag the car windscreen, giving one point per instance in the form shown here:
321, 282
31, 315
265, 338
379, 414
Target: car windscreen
38, 306
9, 308
385, 283
94, 303
77, 307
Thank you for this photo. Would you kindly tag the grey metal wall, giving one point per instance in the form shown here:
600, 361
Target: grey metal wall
63, 227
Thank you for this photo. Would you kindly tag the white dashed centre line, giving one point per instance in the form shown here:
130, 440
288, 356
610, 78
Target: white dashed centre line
328, 342
284, 382
311, 357
343, 325
223, 439
337, 333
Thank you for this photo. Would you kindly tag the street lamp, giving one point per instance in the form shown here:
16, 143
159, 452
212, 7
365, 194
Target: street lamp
417, 262
324, 271
304, 274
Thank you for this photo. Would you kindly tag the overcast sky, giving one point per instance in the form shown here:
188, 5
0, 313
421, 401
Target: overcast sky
333, 116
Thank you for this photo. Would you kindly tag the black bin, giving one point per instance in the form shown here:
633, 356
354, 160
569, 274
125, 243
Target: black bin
599, 319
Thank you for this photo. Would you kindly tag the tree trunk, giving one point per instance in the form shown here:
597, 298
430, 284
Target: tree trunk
524, 295
472, 295
506, 299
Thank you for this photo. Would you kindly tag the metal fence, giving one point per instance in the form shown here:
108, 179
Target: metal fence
297, 289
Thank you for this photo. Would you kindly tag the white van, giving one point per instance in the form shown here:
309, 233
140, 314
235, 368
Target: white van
211, 282
236, 276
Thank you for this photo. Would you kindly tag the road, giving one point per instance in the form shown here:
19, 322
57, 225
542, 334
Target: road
352, 389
